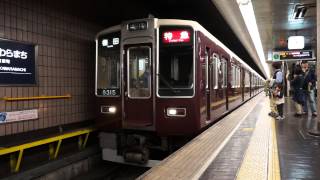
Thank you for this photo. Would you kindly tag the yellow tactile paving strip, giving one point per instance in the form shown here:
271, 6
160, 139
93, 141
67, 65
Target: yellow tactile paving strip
274, 166
261, 158
193, 159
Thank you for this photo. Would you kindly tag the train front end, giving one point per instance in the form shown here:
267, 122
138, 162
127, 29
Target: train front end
145, 84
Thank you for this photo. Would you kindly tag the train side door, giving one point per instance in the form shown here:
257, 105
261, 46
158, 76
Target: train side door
138, 101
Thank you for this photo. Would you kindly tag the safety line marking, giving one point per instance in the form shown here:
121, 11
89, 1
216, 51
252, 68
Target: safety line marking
261, 160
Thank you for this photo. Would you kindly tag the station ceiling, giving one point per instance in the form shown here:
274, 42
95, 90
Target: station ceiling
282, 19
112, 12
275, 20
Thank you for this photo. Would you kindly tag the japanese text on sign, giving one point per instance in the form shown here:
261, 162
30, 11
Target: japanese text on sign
176, 36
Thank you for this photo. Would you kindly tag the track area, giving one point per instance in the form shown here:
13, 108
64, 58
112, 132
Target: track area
112, 171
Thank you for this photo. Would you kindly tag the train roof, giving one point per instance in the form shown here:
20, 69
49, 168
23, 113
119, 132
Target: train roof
195, 25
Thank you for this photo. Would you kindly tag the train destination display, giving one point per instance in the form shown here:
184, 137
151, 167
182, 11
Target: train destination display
17, 63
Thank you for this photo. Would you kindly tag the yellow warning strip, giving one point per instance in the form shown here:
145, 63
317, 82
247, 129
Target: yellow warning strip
261, 159
274, 167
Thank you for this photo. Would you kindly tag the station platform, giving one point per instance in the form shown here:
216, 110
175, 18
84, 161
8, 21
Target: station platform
247, 144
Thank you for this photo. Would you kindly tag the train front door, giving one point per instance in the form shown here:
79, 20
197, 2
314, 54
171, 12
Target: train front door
138, 100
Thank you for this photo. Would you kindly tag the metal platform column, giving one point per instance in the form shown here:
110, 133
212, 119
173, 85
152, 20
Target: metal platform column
316, 131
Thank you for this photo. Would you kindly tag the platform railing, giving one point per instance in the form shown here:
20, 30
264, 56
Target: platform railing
54, 143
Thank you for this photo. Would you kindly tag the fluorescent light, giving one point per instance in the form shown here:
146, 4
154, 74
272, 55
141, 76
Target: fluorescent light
249, 18
296, 42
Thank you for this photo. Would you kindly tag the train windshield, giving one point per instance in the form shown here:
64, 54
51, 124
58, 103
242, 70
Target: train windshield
108, 65
176, 65
175, 76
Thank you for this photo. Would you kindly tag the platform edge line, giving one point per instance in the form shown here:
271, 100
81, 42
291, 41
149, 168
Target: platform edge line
221, 146
275, 170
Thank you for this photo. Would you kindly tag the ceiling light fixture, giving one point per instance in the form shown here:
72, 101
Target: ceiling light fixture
296, 42
249, 18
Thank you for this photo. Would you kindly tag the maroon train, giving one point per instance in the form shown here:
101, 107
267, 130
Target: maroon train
161, 79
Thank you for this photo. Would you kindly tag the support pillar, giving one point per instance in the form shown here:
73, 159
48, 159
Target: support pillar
316, 131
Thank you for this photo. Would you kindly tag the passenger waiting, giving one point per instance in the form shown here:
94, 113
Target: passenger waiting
310, 80
297, 85
279, 101
276, 79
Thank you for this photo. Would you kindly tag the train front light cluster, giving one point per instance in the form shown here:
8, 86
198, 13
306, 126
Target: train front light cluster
108, 109
176, 112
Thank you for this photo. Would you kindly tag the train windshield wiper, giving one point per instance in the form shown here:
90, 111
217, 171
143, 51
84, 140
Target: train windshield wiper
166, 83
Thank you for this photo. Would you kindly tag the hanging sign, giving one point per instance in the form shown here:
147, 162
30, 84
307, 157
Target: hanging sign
292, 55
17, 63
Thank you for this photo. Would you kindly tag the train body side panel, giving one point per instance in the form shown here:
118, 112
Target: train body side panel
216, 101
175, 126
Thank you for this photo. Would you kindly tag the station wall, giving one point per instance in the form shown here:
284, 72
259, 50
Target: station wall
65, 63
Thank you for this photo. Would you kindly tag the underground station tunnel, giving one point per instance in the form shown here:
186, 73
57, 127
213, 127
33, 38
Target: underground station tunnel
163, 89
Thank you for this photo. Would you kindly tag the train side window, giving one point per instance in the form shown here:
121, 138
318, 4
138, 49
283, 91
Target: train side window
247, 79
224, 72
207, 67
234, 75
238, 76
216, 68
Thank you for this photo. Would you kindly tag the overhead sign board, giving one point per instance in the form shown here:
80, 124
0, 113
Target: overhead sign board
292, 55
17, 63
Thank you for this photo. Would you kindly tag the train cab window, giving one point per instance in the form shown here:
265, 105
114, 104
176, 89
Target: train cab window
175, 74
139, 72
108, 65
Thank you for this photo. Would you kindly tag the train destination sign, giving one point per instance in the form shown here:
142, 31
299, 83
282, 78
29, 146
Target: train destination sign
178, 36
17, 63
292, 55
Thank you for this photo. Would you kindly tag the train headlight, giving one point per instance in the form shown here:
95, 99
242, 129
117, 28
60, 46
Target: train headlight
108, 109
176, 112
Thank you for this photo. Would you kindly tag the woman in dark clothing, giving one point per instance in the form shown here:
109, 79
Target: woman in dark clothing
297, 86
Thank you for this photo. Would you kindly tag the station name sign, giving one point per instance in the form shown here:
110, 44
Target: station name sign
17, 63
293, 55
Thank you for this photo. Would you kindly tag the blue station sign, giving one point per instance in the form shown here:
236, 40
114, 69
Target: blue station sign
17, 63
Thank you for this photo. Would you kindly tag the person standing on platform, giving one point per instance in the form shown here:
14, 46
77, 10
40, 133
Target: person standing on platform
279, 101
276, 79
267, 87
310, 80
297, 86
